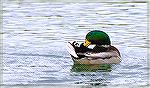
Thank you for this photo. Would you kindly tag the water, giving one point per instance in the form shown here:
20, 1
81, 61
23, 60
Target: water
35, 36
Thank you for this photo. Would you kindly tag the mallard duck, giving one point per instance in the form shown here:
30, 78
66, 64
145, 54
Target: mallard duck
102, 53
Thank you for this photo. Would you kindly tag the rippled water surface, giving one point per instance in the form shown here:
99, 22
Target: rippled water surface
35, 36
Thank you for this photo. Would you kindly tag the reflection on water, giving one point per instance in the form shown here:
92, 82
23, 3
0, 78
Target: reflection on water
94, 82
35, 36
91, 68
95, 75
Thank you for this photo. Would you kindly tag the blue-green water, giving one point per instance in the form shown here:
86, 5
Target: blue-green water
35, 36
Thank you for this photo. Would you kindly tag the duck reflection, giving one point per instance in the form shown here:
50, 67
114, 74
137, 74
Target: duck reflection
91, 68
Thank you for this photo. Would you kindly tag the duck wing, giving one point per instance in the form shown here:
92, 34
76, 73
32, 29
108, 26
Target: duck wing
102, 55
71, 50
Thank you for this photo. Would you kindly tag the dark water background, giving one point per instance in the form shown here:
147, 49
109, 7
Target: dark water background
35, 36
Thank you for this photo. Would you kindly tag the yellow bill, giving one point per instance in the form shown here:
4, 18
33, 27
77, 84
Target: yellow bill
86, 43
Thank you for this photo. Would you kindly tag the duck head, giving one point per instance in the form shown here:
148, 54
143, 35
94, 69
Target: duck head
97, 37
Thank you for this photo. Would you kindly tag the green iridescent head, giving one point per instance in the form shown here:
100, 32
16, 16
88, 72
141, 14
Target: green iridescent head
97, 37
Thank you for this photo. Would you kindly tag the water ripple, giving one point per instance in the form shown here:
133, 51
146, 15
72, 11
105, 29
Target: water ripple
35, 36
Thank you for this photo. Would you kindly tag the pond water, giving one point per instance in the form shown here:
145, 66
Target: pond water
35, 36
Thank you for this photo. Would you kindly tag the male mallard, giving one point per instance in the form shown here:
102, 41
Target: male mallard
102, 53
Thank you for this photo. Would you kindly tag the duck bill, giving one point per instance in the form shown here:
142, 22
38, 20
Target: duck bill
86, 43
